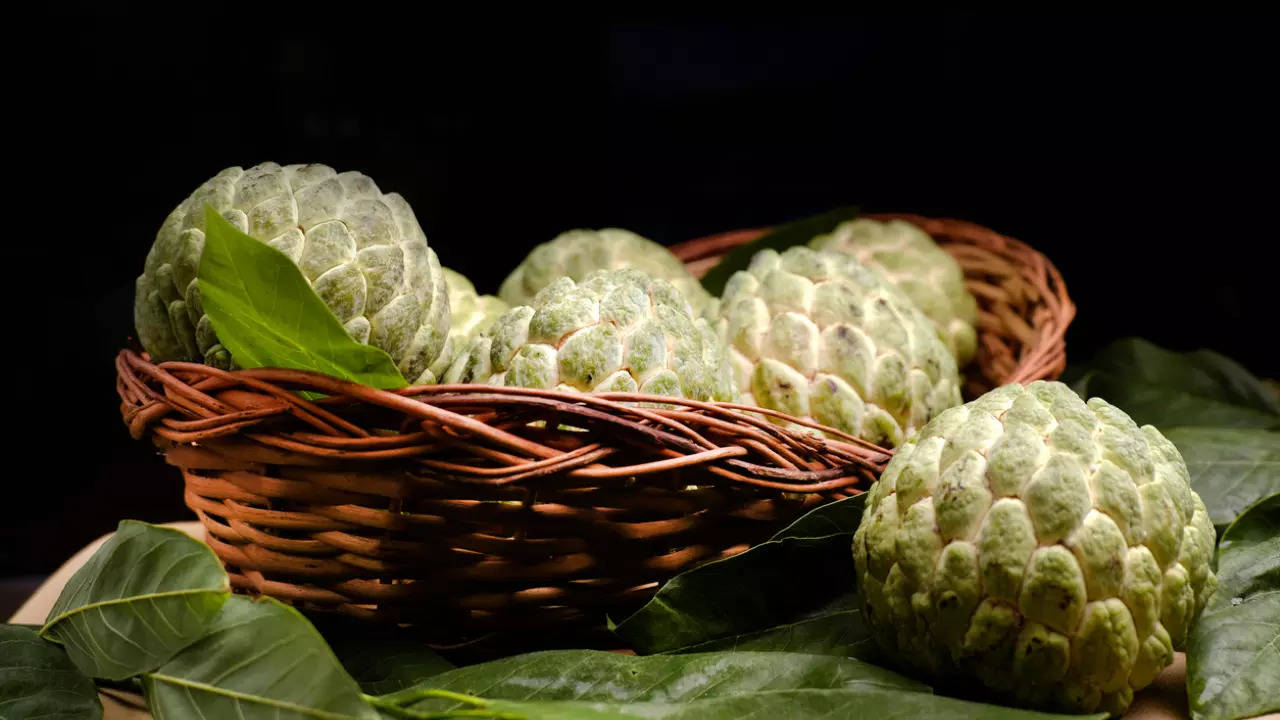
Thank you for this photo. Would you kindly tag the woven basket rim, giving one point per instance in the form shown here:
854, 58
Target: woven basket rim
145, 411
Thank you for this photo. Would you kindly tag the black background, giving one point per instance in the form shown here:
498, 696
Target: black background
1139, 153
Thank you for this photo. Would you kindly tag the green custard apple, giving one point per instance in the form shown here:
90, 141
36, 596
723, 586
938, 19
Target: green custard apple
818, 335
614, 331
470, 313
362, 251
1043, 546
925, 272
576, 253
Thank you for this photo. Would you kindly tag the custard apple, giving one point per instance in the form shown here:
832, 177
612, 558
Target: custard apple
615, 331
925, 272
470, 314
576, 253
1048, 548
818, 335
361, 250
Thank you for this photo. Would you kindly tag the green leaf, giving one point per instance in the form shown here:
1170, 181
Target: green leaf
38, 680
840, 631
259, 659
809, 704
145, 594
839, 705
383, 663
267, 314
1169, 389
804, 566
1233, 655
593, 675
834, 518
554, 710
1231, 468
779, 238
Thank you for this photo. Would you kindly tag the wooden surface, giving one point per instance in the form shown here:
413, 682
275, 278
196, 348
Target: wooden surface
1164, 699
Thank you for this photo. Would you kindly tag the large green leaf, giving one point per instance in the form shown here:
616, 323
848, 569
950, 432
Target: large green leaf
837, 630
834, 518
38, 680
779, 238
595, 675
1169, 389
513, 710
1233, 656
803, 567
266, 313
144, 595
806, 704
830, 705
383, 662
259, 659
1231, 468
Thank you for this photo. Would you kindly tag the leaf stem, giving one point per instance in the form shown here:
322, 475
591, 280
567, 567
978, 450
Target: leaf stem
414, 694
394, 705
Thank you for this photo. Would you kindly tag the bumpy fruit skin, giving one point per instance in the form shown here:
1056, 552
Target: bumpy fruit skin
1049, 548
577, 253
470, 313
363, 252
925, 272
616, 331
819, 335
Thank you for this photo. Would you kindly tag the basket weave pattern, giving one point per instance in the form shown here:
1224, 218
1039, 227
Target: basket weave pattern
477, 506
473, 508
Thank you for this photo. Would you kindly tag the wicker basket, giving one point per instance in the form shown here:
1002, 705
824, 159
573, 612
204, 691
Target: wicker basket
469, 509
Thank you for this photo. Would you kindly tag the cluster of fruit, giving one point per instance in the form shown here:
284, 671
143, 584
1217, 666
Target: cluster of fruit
862, 331
1048, 547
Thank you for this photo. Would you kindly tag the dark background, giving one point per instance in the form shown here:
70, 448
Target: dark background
1139, 153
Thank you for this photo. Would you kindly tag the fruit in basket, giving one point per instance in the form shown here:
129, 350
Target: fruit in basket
1048, 547
360, 249
614, 331
819, 335
470, 313
576, 253
925, 273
